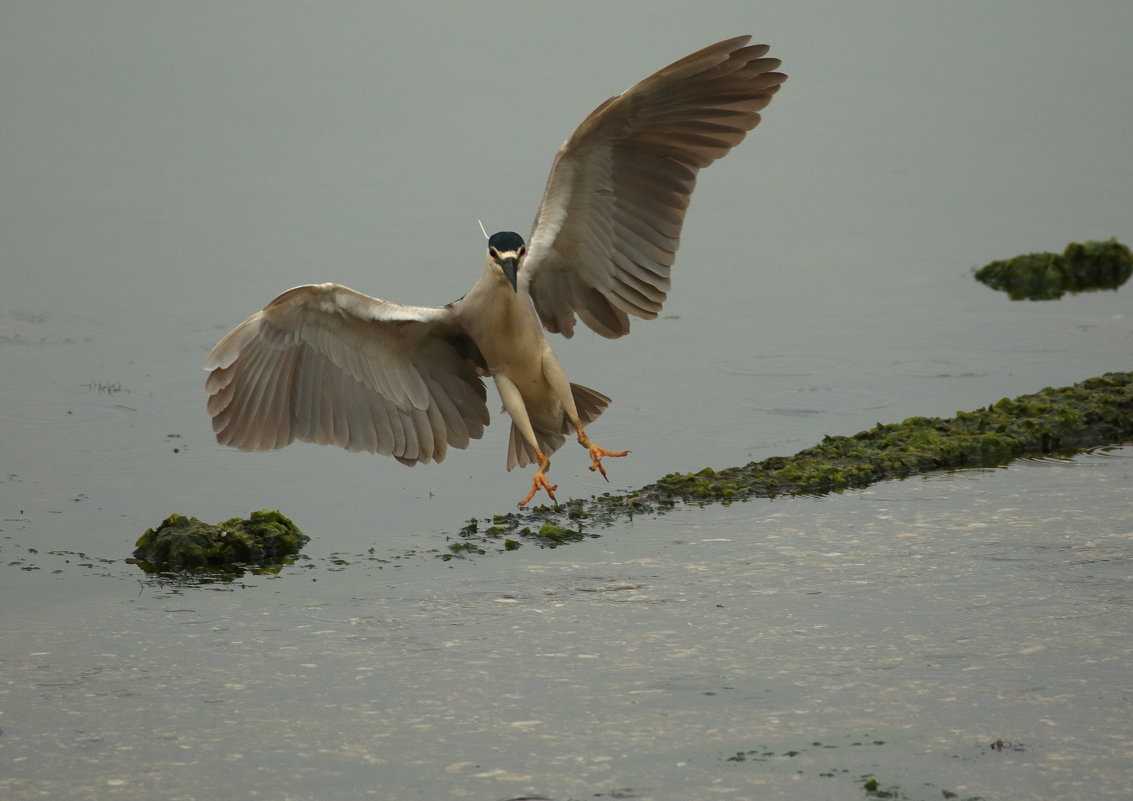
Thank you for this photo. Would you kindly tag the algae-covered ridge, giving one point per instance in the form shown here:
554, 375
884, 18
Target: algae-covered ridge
262, 543
1082, 267
1063, 420
1060, 420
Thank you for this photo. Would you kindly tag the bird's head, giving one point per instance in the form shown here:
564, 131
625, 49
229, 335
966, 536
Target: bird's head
506, 250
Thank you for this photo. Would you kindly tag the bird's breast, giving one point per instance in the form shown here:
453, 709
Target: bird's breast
509, 334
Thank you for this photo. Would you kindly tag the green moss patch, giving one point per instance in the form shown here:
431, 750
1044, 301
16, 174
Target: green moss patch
263, 542
1082, 267
1060, 420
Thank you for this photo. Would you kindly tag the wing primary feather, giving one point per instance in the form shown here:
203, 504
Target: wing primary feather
634, 159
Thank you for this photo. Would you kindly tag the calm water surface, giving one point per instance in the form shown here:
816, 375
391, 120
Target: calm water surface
169, 172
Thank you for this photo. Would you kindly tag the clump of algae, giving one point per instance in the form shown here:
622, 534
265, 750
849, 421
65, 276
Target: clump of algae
263, 542
1082, 267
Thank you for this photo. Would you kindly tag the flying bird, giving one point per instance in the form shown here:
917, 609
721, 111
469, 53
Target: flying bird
323, 363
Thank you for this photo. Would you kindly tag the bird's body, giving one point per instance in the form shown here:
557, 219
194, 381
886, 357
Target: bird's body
507, 331
325, 364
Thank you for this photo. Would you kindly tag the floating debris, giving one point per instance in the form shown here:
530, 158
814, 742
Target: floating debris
1085, 267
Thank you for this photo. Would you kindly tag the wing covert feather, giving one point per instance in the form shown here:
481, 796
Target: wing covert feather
325, 364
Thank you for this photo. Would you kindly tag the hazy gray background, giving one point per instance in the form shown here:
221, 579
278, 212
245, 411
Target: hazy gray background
168, 168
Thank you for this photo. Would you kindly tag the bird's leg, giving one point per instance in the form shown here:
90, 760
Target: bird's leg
555, 376
539, 481
517, 410
596, 452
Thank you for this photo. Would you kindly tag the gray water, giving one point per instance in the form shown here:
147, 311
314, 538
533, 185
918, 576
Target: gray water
169, 169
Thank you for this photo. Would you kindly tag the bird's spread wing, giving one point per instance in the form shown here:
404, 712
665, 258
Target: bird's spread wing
609, 225
329, 365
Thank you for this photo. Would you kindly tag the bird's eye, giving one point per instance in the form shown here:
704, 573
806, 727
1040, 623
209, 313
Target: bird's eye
492, 252
522, 252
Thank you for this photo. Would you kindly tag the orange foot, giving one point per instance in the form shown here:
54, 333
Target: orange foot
539, 480
596, 453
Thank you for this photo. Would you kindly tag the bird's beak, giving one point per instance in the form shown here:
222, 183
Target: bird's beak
511, 270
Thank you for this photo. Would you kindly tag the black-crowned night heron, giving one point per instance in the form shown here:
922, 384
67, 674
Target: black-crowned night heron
325, 364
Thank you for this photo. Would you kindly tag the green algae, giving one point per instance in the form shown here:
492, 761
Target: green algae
1081, 267
1055, 420
1061, 420
262, 543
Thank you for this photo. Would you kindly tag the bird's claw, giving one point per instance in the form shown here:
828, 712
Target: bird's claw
538, 482
596, 454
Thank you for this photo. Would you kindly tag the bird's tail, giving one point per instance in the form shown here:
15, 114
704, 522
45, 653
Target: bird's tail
590, 404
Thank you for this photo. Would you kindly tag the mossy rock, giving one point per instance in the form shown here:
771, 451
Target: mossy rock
265, 539
1084, 267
